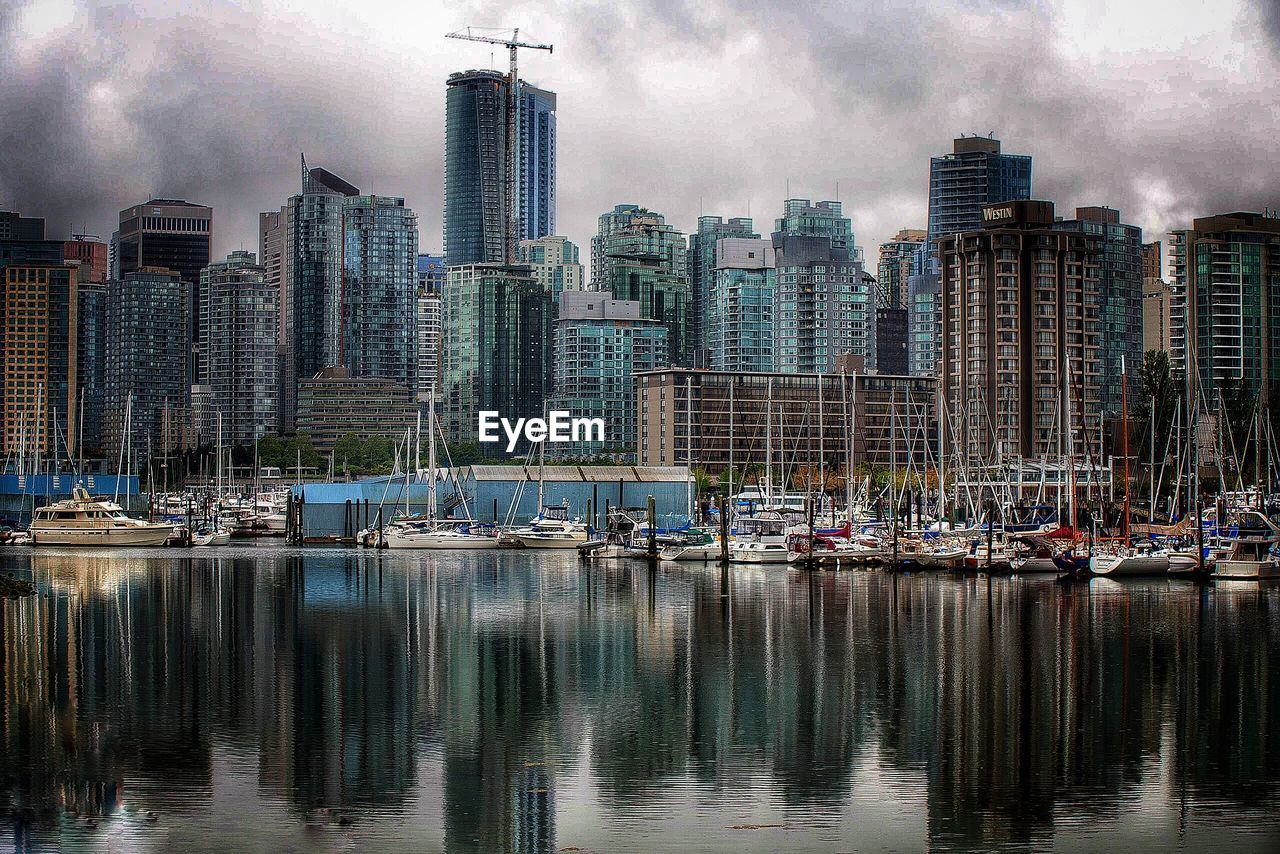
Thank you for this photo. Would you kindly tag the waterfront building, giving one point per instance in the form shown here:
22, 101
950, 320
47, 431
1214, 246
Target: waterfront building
868, 415
740, 306
824, 304
554, 262
311, 285
924, 322
429, 326
1225, 301
496, 346
702, 276
1157, 303
91, 255
600, 344
38, 359
380, 289
91, 363
891, 341
900, 259
1022, 359
148, 315
170, 234
241, 316
1152, 265
477, 218
333, 404
1120, 294
643, 259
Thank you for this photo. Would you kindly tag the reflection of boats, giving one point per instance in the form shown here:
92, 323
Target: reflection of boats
86, 521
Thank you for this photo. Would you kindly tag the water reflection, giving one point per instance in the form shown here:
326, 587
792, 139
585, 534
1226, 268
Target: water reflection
267, 699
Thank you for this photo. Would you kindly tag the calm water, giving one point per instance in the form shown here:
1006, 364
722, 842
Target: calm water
276, 699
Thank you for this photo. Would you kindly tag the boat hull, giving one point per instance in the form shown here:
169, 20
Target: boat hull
1117, 566
438, 541
556, 541
702, 554
140, 535
1246, 570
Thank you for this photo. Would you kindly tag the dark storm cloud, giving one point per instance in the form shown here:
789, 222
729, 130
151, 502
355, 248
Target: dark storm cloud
714, 105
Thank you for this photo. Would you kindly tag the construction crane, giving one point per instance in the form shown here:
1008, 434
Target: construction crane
513, 123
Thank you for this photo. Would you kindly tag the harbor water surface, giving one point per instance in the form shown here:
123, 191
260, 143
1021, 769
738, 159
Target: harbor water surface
265, 698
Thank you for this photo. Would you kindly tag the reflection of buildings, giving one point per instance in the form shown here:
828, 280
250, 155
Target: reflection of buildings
1021, 704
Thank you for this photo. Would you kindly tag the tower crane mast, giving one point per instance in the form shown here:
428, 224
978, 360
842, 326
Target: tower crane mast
513, 124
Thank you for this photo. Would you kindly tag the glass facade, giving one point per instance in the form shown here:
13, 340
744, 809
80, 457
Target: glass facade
380, 289
240, 317
38, 378
702, 275
899, 260
976, 173
537, 162
554, 261
91, 359
740, 332
147, 334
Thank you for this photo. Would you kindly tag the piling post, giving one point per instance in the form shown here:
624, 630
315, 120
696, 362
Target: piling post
653, 531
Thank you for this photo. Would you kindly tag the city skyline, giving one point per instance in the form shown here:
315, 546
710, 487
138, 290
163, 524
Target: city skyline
1063, 83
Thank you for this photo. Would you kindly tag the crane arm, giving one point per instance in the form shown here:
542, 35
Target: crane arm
466, 35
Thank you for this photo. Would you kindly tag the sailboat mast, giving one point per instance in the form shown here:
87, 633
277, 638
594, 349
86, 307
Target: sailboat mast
1124, 432
431, 452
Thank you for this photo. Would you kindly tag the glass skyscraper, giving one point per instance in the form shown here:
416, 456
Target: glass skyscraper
824, 302
476, 207
380, 289
898, 262
740, 306
702, 275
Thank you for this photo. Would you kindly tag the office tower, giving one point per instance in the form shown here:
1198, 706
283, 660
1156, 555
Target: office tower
91, 363
891, 341
271, 245
90, 254
702, 276
1157, 305
824, 307
1120, 294
311, 284
600, 343
1226, 299
554, 262
899, 260
333, 404
496, 342
241, 317
1152, 265
15, 226
429, 330
38, 360
169, 234
975, 174
431, 273
643, 259
477, 214
380, 289
740, 305
148, 315
1022, 357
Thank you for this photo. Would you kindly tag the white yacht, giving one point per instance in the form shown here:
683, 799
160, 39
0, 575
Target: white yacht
760, 539
552, 529
1129, 560
1255, 553
83, 520
442, 534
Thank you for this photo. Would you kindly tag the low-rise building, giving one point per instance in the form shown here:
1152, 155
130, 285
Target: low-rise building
333, 403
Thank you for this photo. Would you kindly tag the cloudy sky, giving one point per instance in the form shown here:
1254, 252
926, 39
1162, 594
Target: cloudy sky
1165, 110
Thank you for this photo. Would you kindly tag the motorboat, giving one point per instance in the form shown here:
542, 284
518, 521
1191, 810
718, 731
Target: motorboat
83, 520
1255, 553
694, 545
760, 539
551, 529
443, 535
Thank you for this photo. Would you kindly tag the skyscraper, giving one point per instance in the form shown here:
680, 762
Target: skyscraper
600, 344
740, 306
496, 346
702, 276
973, 175
15, 226
170, 234
1021, 361
477, 216
1225, 306
380, 289
90, 254
1120, 294
899, 260
148, 315
240, 315
643, 259
91, 362
38, 358
311, 286
824, 307
431, 281
554, 261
